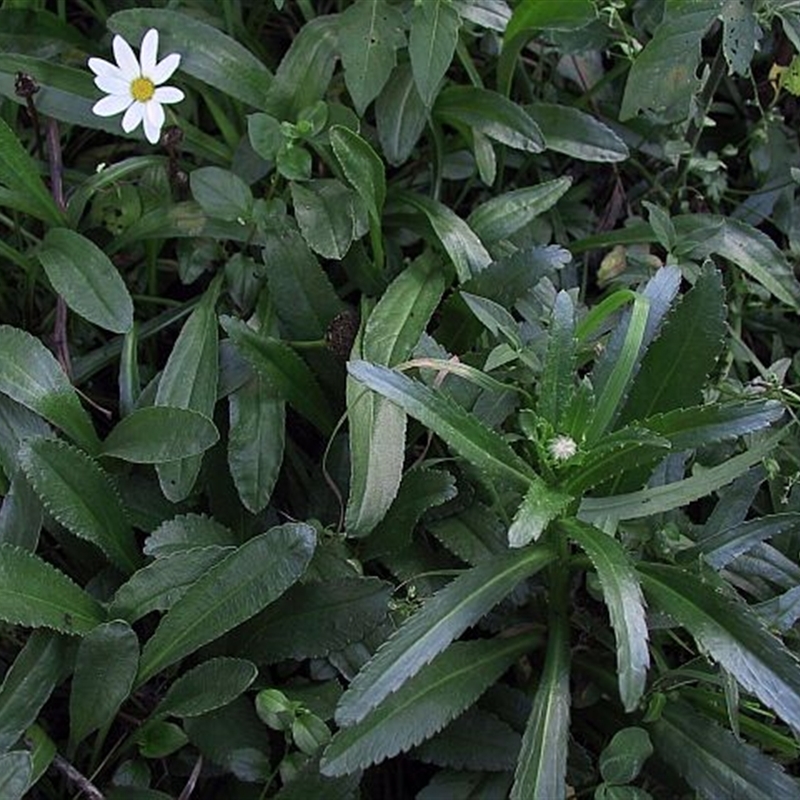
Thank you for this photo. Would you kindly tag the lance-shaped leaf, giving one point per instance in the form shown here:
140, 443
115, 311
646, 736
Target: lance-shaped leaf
377, 426
540, 506
431, 45
713, 761
400, 116
462, 431
87, 280
557, 383
189, 381
76, 491
361, 166
729, 633
208, 686
35, 594
31, 375
105, 668
425, 704
237, 588
157, 434
623, 598
542, 765
444, 617
16, 770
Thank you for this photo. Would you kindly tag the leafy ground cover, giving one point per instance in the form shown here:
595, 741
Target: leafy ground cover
397, 399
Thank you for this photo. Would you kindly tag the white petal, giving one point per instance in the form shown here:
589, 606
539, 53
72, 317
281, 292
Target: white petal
153, 121
149, 51
164, 69
125, 58
168, 94
102, 68
111, 105
133, 116
113, 84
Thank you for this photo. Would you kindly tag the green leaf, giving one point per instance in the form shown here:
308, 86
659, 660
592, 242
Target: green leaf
31, 375
542, 764
731, 634
208, 686
740, 34
16, 769
28, 683
221, 194
206, 52
502, 216
159, 739
431, 629
330, 216
370, 32
307, 622
105, 668
474, 535
438, 693
21, 514
257, 425
659, 499
87, 280
35, 594
462, 431
459, 241
713, 761
431, 44
577, 134
491, 114
530, 15
186, 532
663, 77
540, 506
623, 757
376, 426
623, 597
361, 165
400, 116
19, 173
676, 366
159, 585
77, 492
237, 588
189, 380
286, 373
557, 383
157, 434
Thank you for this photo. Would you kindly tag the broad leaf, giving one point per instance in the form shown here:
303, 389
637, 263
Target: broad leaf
105, 668
623, 597
400, 116
444, 617
208, 686
542, 765
480, 445
35, 594
16, 769
370, 32
234, 590
31, 375
81, 496
185, 532
222, 194
157, 434
623, 757
713, 761
729, 633
87, 280
438, 693
431, 45
550, 15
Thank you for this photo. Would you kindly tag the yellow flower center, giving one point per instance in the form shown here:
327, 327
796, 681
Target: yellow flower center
142, 89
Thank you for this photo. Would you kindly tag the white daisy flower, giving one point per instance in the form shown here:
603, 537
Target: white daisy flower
134, 86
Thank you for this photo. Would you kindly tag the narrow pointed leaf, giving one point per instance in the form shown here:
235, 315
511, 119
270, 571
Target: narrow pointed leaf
81, 496
237, 588
400, 115
87, 280
208, 686
30, 374
557, 382
625, 603
444, 617
35, 594
463, 432
361, 166
157, 434
714, 762
731, 634
431, 45
438, 693
542, 765
105, 668
540, 506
